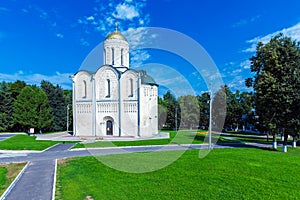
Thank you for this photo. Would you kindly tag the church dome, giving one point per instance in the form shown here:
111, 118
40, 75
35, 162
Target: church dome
116, 35
146, 79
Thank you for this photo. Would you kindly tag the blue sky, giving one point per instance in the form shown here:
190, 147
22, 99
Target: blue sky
50, 39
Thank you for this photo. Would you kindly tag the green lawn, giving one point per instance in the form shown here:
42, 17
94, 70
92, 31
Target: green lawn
25, 142
223, 174
8, 172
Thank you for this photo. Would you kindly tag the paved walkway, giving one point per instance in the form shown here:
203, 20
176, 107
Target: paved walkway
4, 136
36, 182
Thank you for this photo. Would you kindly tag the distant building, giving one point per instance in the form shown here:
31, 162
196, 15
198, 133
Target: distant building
115, 100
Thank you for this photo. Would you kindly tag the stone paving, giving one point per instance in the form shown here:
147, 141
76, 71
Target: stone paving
36, 182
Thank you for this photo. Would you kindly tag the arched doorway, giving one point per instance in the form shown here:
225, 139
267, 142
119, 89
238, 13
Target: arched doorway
109, 127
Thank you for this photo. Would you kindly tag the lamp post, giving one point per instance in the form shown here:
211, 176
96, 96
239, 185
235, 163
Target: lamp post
68, 108
210, 119
176, 110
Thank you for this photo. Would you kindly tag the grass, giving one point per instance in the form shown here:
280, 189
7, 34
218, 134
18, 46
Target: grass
223, 174
8, 172
25, 142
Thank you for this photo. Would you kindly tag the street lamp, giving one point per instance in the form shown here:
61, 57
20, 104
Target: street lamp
68, 108
176, 110
210, 119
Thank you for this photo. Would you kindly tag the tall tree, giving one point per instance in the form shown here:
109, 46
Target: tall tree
277, 84
6, 107
190, 111
204, 109
68, 98
57, 103
31, 109
173, 111
162, 113
239, 106
16, 88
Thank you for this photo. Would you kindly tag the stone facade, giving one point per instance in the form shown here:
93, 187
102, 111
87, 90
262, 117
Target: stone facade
115, 100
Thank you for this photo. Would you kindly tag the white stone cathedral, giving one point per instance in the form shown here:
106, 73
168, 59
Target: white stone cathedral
115, 100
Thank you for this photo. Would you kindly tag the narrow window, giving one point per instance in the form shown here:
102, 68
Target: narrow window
121, 57
84, 90
131, 87
105, 62
108, 88
113, 56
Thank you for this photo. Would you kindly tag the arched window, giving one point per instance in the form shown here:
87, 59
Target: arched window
107, 88
112, 56
122, 57
130, 87
84, 90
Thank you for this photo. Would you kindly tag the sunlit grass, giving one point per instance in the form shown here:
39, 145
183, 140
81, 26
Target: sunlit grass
223, 174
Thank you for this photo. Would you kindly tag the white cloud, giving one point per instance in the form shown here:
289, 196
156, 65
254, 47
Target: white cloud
126, 12
245, 64
83, 42
293, 32
238, 83
237, 71
243, 22
61, 79
90, 18
59, 35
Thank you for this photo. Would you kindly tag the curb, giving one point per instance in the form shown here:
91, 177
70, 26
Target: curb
54, 181
7, 191
20, 151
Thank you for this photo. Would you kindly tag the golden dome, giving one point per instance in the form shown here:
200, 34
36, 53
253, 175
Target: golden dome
116, 35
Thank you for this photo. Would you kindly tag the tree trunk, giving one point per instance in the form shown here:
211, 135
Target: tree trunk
284, 146
274, 141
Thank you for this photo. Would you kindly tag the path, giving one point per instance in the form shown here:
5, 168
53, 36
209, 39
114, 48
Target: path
4, 136
36, 183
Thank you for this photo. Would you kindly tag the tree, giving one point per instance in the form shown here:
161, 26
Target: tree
6, 107
31, 109
162, 112
277, 84
69, 99
204, 109
190, 111
16, 88
173, 111
239, 106
57, 104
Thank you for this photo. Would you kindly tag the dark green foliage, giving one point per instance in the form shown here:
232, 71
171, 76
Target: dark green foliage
173, 110
16, 88
190, 111
31, 109
204, 109
277, 84
6, 107
68, 97
239, 106
57, 104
